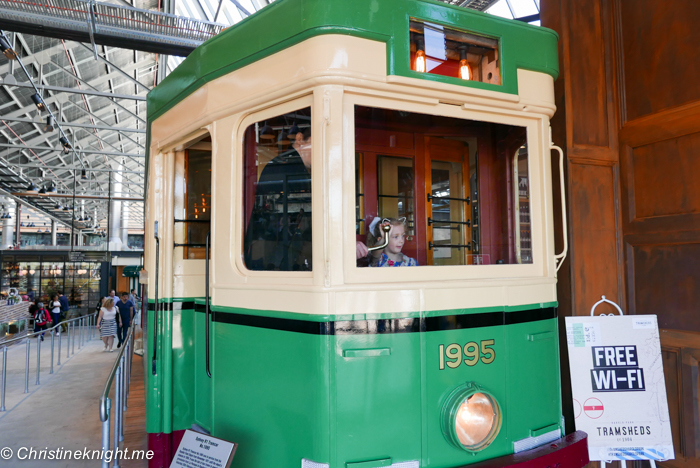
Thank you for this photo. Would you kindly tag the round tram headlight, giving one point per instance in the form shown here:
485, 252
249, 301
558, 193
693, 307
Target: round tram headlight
471, 418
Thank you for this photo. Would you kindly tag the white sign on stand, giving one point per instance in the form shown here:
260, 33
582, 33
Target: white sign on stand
203, 451
618, 386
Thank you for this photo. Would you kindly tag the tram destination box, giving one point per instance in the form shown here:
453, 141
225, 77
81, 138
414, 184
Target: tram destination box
197, 450
617, 381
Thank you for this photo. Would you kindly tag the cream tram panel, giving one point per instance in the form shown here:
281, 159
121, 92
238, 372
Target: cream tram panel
319, 61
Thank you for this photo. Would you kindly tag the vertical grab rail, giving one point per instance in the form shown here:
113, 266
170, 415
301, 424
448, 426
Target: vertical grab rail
559, 258
206, 303
155, 309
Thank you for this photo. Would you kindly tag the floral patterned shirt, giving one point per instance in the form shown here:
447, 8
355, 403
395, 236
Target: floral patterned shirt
384, 261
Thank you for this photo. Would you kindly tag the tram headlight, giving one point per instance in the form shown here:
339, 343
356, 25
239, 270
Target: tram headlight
471, 418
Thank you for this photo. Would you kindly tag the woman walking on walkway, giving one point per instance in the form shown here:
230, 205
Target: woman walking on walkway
107, 323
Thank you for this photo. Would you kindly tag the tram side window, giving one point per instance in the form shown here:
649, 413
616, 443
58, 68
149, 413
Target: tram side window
196, 201
459, 188
277, 193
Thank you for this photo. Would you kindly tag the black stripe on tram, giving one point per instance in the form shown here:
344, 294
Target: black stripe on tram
385, 326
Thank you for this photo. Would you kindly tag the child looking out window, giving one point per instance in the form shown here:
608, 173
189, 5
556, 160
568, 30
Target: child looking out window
391, 255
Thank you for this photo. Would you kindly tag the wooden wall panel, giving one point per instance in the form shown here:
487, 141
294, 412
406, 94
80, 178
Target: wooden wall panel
681, 354
587, 75
659, 42
592, 196
666, 177
667, 283
631, 122
673, 375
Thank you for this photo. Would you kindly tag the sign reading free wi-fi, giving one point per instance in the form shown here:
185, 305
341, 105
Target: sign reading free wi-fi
618, 387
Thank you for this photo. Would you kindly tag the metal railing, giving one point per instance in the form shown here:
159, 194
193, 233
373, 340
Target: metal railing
110, 19
83, 327
122, 372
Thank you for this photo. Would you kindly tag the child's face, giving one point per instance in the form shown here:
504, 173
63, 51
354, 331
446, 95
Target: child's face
397, 237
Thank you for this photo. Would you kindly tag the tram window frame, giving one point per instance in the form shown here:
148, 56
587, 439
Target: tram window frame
180, 209
239, 187
538, 170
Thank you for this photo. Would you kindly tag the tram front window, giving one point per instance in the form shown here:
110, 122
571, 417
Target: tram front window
277, 193
458, 187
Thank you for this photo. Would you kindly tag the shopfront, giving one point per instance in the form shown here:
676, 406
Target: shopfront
34, 276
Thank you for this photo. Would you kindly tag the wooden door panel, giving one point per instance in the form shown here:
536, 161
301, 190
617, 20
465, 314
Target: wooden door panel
659, 43
681, 354
665, 178
667, 283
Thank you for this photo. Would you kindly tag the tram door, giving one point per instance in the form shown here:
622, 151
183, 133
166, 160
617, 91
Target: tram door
192, 213
448, 204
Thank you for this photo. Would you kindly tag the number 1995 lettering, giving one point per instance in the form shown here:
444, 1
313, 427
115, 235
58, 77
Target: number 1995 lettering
473, 352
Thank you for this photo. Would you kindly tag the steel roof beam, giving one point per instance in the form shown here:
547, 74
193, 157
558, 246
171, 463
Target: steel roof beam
80, 91
44, 148
75, 125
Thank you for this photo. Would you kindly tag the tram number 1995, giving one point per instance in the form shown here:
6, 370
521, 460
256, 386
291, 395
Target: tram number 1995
473, 352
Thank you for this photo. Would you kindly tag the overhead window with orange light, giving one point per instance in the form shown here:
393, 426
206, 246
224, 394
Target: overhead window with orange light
439, 50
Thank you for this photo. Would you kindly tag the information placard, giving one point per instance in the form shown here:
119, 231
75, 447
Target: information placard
203, 451
618, 387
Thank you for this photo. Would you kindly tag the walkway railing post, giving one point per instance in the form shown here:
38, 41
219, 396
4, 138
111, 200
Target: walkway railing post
38, 357
4, 377
68, 340
125, 382
105, 433
117, 413
73, 339
59, 348
26, 369
122, 407
53, 333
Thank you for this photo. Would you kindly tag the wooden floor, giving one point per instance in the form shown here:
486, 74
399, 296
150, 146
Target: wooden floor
135, 437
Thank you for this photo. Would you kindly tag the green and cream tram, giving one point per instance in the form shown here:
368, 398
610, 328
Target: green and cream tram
278, 151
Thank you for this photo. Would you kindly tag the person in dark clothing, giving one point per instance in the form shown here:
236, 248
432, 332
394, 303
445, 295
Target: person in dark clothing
64, 303
126, 313
285, 180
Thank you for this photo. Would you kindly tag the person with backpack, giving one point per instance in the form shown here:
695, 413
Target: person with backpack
42, 319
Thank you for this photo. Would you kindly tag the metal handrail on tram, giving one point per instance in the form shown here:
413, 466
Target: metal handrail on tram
121, 370
84, 331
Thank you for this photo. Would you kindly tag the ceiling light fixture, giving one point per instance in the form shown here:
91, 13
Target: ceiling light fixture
65, 143
49, 124
39, 102
7, 49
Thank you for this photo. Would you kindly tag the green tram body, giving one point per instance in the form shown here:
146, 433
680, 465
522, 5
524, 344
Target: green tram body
293, 388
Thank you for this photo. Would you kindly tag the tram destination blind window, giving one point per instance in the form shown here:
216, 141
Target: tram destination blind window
440, 50
277, 193
461, 188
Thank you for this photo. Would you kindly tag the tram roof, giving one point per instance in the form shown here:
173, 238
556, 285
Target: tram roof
288, 22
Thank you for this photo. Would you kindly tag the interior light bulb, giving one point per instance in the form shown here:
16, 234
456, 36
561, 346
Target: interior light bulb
465, 71
420, 65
